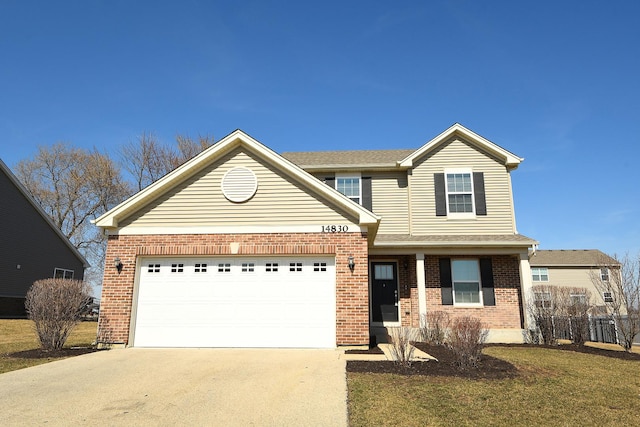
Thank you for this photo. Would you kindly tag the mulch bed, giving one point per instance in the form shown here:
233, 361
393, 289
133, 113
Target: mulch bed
52, 354
489, 367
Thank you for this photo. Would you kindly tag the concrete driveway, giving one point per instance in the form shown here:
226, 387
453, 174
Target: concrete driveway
221, 387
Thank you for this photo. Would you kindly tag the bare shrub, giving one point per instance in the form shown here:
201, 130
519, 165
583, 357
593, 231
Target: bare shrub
401, 348
56, 307
434, 327
466, 340
577, 310
544, 306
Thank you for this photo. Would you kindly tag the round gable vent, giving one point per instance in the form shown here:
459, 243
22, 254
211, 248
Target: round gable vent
239, 185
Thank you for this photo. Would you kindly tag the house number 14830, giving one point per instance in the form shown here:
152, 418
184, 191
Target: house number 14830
335, 228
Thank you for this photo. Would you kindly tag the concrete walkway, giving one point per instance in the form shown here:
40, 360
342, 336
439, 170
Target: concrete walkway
166, 387
418, 355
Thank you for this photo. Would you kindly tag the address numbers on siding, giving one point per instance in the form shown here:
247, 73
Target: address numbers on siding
335, 228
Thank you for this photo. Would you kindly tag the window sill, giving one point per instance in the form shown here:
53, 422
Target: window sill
474, 305
461, 216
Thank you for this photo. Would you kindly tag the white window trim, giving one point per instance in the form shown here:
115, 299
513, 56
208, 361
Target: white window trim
539, 275
460, 215
351, 175
608, 274
578, 296
543, 297
64, 272
453, 285
604, 297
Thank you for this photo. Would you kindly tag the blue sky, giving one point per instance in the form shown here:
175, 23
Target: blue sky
557, 83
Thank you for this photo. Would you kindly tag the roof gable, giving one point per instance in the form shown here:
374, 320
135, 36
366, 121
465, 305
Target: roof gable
37, 208
509, 159
235, 140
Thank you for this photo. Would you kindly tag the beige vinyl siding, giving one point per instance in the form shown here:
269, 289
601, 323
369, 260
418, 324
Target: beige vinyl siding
199, 201
390, 200
573, 277
456, 153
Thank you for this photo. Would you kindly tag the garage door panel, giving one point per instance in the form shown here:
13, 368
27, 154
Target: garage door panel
236, 302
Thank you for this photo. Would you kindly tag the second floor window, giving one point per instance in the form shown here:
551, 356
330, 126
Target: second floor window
459, 192
604, 274
350, 187
540, 274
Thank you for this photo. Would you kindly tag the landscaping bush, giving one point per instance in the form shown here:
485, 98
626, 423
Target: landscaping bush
56, 307
466, 340
434, 327
401, 347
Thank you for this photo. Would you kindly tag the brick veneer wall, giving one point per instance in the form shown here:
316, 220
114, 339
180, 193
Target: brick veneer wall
352, 288
506, 314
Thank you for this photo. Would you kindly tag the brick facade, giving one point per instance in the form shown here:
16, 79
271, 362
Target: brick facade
506, 314
352, 288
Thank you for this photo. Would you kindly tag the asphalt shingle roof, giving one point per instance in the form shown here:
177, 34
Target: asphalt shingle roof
456, 238
378, 158
570, 257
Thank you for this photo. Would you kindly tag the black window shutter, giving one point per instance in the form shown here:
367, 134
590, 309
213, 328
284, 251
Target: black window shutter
330, 181
366, 193
445, 281
441, 196
486, 276
478, 190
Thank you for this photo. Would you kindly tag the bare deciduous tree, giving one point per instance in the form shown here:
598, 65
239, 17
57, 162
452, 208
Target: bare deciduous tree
619, 281
74, 186
148, 160
56, 307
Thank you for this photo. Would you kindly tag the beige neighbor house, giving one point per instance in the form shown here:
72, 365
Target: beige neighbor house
242, 247
574, 269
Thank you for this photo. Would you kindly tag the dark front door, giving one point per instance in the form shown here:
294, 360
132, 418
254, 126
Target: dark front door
384, 292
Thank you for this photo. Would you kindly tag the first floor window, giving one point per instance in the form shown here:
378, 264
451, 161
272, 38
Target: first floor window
578, 299
63, 273
543, 299
540, 274
607, 296
466, 281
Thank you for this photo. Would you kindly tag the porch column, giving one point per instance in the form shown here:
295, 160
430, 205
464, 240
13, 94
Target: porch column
422, 288
527, 289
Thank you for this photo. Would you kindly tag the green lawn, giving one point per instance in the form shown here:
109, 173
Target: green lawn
19, 335
554, 388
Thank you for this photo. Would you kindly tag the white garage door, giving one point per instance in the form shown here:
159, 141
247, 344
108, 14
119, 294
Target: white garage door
236, 302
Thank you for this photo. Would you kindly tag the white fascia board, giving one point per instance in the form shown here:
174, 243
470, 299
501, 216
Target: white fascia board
229, 142
509, 158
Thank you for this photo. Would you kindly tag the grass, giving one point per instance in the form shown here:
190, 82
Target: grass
19, 335
554, 388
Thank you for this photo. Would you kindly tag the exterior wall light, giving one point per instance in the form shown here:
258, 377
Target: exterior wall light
352, 263
118, 264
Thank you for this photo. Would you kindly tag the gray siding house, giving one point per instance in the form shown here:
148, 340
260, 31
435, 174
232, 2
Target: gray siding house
31, 248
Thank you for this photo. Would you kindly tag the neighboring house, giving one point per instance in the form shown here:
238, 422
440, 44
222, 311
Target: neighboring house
242, 247
574, 269
31, 248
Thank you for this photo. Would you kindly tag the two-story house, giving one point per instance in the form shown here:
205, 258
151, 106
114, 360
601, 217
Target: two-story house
242, 247
578, 271
31, 248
